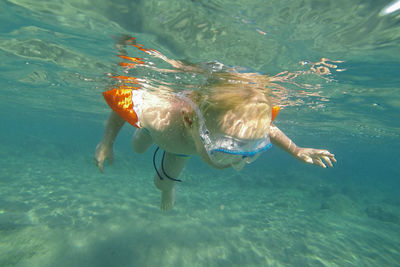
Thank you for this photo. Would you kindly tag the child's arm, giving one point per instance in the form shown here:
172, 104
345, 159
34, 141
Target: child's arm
308, 155
104, 150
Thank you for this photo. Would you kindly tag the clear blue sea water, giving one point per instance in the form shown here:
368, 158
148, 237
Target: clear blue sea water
57, 209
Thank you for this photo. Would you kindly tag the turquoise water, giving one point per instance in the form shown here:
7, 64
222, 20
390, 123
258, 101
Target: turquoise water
57, 209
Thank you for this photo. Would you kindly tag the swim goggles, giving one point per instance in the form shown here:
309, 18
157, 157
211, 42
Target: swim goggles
224, 150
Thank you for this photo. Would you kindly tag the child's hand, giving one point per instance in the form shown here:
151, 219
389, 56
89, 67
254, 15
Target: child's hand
316, 156
103, 152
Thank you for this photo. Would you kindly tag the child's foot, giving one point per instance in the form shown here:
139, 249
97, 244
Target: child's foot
167, 192
167, 199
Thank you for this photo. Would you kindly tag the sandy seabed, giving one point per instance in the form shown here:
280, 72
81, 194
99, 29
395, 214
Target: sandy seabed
58, 211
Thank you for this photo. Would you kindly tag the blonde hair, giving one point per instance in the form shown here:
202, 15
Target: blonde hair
239, 104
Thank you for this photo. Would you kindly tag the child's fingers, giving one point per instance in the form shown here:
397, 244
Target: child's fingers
327, 153
328, 161
99, 164
319, 162
308, 159
330, 156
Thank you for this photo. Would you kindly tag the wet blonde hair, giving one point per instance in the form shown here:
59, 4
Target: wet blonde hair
238, 104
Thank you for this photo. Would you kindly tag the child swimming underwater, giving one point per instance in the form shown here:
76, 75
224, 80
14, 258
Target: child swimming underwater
228, 123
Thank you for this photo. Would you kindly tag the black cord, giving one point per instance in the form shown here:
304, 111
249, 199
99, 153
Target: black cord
154, 163
162, 167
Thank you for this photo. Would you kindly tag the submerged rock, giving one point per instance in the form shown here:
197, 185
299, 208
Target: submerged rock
383, 213
340, 204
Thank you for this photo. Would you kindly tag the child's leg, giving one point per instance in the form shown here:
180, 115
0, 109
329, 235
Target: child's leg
141, 140
173, 166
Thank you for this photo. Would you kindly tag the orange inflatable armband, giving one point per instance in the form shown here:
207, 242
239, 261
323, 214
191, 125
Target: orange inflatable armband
275, 111
120, 100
